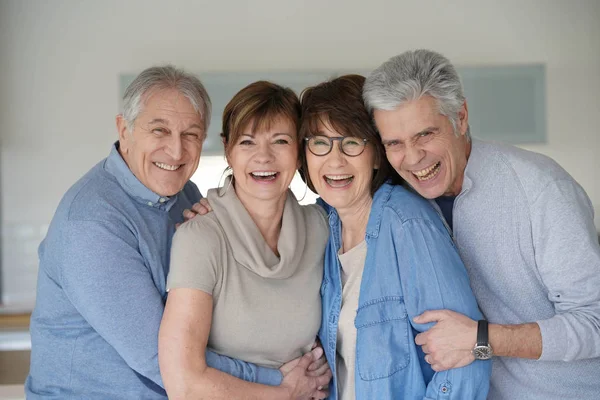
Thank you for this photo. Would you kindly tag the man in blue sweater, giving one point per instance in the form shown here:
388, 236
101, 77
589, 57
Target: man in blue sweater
523, 227
104, 261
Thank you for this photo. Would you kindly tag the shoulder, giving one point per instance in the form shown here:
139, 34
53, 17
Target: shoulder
94, 196
314, 213
203, 231
403, 205
532, 171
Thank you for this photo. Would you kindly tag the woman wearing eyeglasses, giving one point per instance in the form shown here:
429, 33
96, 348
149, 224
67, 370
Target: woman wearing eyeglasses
389, 258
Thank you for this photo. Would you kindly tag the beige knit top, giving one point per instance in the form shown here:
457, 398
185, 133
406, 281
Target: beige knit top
266, 309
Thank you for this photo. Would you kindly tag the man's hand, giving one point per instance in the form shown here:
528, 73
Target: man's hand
200, 208
449, 343
299, 382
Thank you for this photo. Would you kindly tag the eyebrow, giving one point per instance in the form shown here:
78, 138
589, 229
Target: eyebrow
252, 135
412, 138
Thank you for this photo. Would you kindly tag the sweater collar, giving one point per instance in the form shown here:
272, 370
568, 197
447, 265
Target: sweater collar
252, 251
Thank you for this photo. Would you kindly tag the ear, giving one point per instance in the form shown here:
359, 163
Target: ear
124, 134
463, 119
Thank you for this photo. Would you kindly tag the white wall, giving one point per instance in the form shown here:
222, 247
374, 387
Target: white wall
59, 63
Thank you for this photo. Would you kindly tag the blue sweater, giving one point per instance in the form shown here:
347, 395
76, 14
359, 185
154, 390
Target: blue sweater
101, 291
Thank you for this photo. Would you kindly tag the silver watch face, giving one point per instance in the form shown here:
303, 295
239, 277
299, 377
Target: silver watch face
482, 352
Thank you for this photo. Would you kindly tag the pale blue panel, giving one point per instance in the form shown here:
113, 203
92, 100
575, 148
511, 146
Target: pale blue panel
506, 103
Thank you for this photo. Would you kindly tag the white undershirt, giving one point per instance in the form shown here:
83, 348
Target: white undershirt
353, 262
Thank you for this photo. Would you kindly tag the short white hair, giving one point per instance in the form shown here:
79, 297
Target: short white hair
411, 75
165, 77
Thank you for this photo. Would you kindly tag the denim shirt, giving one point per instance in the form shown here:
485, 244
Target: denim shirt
411, 266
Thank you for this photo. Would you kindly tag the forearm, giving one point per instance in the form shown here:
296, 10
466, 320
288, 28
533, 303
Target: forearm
209, 383
244, 370
523, 340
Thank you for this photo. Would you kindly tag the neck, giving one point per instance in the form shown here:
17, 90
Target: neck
354, 223
457, 186
267, 215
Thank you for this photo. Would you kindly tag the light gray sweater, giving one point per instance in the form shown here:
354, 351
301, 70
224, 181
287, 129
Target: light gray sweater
525, 231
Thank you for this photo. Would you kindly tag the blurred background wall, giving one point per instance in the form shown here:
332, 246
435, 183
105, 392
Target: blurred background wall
60, 63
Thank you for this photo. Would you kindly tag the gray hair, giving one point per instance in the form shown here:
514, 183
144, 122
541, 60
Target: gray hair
411, 75
165, 77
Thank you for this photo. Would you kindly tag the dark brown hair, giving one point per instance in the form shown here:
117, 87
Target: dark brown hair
339, 104
260, 103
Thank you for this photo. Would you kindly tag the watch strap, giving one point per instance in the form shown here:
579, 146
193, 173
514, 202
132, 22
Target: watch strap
482, 333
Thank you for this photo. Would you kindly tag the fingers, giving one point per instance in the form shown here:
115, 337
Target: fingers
429, 316
306, 360
317, 352
317, 363
320, 394
188, 214
202, 204
324, 379
421, 339
319, 371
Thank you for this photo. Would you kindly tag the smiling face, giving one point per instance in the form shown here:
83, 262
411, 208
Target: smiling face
264, 161
423, 148
164, 148
344, 182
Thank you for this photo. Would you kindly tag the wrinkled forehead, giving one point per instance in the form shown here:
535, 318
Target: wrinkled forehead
165, 102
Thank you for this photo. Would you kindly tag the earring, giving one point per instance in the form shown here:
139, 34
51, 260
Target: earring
221, 193
305, 186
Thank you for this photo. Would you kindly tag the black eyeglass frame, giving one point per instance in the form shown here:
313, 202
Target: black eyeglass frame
340, 139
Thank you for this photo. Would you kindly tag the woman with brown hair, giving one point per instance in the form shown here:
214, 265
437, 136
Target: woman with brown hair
388, 259
244, 279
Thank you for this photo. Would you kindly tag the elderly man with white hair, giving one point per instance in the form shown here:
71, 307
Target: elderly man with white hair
523, 227
104, 262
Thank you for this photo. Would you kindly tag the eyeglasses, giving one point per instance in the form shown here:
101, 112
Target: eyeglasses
321, 145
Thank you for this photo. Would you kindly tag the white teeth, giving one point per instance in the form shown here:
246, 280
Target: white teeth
167, 166
264, 173
427, 173
338, 177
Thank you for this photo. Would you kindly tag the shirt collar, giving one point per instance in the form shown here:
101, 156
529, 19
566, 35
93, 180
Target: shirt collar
116, 166
379, 201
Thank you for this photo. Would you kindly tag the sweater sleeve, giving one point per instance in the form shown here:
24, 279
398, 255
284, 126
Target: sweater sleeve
105, 277
434, 278
568, 261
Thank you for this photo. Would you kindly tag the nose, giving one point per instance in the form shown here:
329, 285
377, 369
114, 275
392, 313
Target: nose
336, 158
413, 155
264, 154
174, 147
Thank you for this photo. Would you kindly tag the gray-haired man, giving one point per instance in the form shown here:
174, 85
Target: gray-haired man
103, 264
524, 229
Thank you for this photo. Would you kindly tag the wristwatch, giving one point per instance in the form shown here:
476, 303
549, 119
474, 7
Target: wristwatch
482, 349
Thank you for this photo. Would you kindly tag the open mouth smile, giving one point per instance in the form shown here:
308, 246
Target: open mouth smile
264, 176
427, 173
167, 167
338, 181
